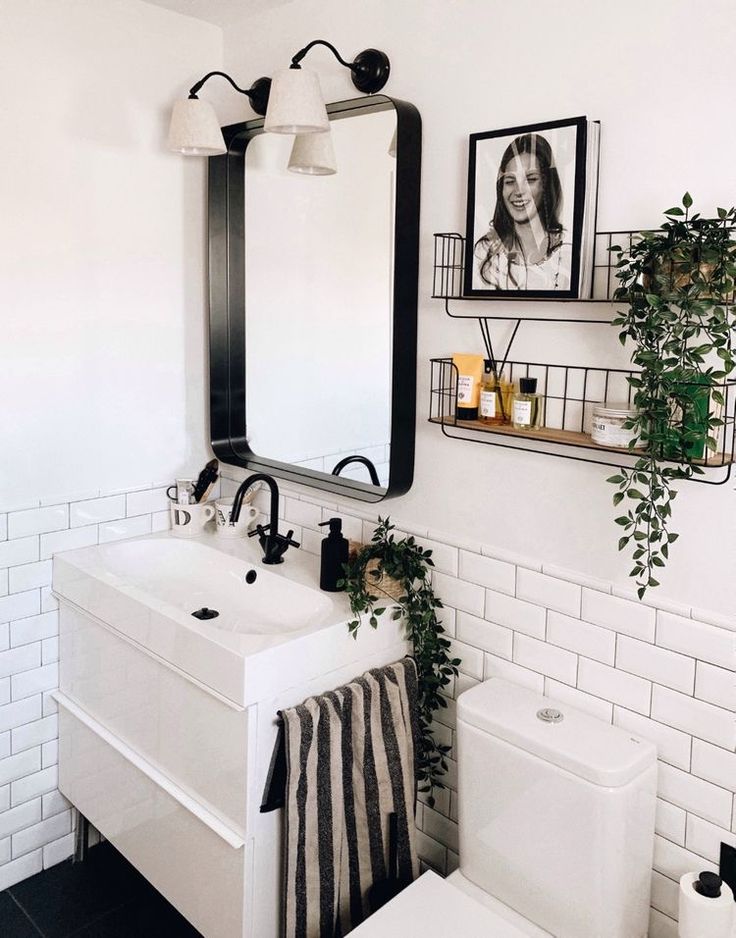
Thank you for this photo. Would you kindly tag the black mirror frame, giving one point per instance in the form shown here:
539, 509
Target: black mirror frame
226, 215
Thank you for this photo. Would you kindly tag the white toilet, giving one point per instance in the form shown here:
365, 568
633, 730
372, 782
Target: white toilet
556, 828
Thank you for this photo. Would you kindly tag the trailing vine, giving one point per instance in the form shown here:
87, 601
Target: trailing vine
679, 284
410, 565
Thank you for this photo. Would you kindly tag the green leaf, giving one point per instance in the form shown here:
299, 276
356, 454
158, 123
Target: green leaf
687, 200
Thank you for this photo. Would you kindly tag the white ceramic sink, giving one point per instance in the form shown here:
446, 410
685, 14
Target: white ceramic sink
189, 576
147, 589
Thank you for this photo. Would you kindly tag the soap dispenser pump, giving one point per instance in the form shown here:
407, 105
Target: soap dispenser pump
335, 552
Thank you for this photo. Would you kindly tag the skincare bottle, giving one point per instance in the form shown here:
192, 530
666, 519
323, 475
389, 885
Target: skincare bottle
527, 406
335, 551
495, 396
469, 377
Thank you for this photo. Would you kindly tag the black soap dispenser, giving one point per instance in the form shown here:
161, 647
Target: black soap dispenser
335, 551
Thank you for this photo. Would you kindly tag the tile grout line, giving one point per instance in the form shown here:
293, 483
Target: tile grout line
25, 912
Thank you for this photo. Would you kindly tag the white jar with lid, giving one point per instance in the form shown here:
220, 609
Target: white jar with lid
608, 425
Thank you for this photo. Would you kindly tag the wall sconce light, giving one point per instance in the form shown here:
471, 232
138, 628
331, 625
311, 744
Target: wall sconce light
194, 129
296, 105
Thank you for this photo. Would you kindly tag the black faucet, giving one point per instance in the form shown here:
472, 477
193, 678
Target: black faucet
273, 544
361, 459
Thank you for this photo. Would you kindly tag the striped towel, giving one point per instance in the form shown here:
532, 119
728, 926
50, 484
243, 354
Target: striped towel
350, 765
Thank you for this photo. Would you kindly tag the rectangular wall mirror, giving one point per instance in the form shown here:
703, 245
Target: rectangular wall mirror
313, 302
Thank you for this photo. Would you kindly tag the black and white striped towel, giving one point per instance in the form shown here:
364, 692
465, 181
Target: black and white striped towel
350, 765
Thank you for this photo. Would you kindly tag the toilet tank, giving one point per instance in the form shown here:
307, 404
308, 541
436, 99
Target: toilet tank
556, 812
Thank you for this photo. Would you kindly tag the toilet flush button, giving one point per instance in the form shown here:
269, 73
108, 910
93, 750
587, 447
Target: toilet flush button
550, 715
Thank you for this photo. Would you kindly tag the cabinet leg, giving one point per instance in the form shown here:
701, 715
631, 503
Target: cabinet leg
81, 837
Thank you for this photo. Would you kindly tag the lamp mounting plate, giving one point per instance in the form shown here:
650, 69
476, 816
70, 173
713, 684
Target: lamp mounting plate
371, 69
258, 94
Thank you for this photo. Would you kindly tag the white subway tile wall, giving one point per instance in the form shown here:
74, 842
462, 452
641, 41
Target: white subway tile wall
35, 819
654, 671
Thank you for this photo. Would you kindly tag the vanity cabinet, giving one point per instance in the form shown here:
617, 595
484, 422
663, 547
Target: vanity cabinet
168, 768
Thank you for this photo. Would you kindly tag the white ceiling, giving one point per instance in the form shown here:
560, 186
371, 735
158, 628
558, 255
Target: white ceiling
219, 12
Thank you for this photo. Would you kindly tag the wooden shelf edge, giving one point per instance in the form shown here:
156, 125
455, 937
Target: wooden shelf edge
565, 438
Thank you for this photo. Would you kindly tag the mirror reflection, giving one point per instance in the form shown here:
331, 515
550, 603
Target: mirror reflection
319, 283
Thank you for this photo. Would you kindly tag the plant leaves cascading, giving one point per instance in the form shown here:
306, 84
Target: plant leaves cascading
408, 563
679, 283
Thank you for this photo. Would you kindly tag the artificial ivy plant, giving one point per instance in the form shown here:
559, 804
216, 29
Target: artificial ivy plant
679, 285
405, 562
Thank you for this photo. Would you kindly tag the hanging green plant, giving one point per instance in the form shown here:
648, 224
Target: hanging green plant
390, 572
679, 284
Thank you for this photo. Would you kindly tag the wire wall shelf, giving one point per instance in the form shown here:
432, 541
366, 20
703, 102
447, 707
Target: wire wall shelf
448, 277
570, 393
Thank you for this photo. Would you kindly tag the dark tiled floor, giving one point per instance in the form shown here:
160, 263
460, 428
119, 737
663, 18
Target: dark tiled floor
104, 897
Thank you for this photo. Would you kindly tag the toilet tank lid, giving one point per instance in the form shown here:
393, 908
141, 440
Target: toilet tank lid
582, 744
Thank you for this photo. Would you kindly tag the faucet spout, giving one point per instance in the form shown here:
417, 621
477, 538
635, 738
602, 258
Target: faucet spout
273, 544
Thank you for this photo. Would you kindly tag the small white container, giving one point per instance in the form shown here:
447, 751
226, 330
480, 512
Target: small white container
190, 520
607, 428
226, 527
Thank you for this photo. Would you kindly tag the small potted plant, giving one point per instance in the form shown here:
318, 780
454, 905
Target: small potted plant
679, 284
396, 573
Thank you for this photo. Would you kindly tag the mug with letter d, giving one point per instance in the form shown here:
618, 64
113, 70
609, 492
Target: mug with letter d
190, 520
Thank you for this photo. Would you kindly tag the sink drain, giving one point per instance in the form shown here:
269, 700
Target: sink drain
205, 613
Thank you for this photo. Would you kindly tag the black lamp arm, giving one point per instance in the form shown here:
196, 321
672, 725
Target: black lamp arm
257, 93
193, 91
370, 68
321, 42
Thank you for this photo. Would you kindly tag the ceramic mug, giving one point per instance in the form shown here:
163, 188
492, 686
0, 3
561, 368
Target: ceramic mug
225, 527
189, 520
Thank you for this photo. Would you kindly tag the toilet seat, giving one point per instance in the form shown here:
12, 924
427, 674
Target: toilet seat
433, 907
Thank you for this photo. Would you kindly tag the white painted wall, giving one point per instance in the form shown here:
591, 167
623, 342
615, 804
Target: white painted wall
103, 339
102, 249
659, 77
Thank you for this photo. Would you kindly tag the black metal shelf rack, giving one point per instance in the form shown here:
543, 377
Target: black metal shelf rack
570, 394
449, 267
570, 391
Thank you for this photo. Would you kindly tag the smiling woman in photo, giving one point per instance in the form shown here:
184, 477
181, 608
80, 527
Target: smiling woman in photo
525, 247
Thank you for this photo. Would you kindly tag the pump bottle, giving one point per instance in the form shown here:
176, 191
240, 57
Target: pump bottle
335, 551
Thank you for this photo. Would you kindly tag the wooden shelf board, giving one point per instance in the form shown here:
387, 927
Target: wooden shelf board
566, 437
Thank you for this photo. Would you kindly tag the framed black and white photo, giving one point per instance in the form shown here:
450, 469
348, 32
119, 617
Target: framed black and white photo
531, 210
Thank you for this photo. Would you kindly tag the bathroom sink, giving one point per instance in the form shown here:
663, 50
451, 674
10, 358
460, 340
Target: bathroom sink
190, 576
150, 588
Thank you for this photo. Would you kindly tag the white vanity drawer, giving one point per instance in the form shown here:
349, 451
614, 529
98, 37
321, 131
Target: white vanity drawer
195, 862
192, 735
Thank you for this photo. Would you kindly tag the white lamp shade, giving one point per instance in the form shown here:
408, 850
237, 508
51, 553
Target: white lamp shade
313, 155
194, 129
295, 103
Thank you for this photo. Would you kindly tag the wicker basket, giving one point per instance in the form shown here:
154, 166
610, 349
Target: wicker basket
385, 585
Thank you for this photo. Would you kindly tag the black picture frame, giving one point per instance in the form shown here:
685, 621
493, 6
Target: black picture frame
482, 148
227, 311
